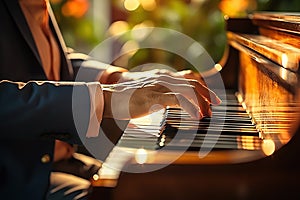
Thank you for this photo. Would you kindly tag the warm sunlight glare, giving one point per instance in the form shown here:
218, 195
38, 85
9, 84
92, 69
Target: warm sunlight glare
141, 156
284, 60
268, 147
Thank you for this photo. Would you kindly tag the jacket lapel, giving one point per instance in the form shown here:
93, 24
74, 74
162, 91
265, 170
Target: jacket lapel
66, 66
17, 14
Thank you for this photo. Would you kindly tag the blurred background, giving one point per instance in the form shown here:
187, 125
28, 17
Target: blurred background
86, 23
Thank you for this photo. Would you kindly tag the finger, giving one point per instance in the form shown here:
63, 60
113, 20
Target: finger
175, 78
188, 91
208, 94
203, 104
201, 89
189, 74
178, 100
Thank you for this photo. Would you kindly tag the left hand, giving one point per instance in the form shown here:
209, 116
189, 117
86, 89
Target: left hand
62, 151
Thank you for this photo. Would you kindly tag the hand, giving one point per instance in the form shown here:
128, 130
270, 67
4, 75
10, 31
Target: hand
187, 74
62, 150
148, 92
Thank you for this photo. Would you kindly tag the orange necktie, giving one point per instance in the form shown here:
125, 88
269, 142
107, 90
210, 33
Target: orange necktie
36, 14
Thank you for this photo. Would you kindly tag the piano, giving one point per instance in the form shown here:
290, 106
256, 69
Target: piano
248, 149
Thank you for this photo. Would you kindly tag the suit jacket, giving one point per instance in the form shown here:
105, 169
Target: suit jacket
32, 115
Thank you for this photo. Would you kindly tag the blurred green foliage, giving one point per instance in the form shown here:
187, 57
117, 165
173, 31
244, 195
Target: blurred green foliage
77, 27
201, 20
279, 5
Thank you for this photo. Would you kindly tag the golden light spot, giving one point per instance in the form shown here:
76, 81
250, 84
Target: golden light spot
236, 7
141, 156
284, 60
218, 67
268, 147
283, 73
95, 177
148, 5
75, 8
131, 5
118, 27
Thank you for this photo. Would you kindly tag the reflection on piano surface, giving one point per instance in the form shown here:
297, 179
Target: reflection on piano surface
250, 146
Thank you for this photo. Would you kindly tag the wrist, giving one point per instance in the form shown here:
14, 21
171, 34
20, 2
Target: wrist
112, 75
107, 112
96, 108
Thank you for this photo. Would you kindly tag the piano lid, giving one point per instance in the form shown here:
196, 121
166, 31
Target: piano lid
288, 22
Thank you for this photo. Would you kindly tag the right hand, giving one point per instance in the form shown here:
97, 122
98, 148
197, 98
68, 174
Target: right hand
137, 98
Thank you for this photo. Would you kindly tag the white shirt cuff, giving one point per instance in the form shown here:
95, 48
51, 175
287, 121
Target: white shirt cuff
96, 109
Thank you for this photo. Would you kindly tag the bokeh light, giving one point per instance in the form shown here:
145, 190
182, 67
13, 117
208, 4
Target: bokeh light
131, 5
75, 8
118, 27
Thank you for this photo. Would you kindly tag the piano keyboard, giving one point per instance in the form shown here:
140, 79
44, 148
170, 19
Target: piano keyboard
229, 128
171, 136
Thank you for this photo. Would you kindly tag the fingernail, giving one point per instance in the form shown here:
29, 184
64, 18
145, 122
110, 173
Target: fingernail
217, 101
198, 114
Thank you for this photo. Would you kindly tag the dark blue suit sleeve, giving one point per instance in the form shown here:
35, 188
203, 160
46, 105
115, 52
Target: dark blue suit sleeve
35, 110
